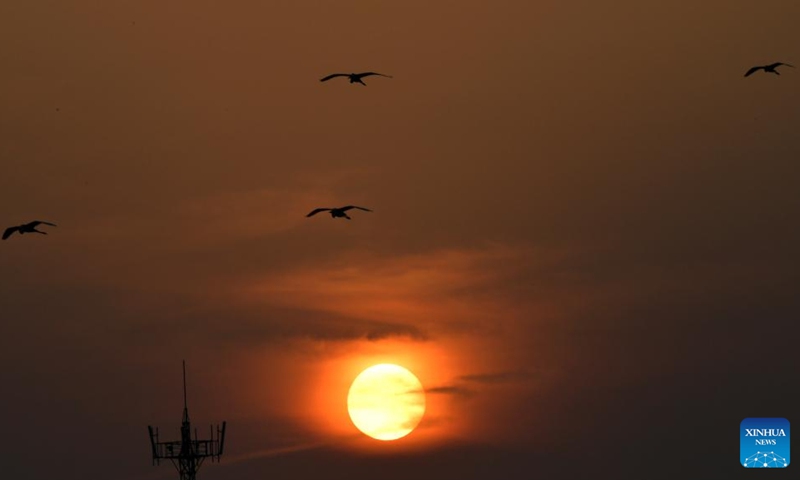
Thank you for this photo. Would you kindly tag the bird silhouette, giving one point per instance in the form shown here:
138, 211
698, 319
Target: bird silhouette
354, 77
337, 212
767, 68
26, 228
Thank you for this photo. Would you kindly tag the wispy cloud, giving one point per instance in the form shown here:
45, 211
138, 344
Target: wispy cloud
497, 377
419, 296
467, 386
455, 390
248, 328
275, 452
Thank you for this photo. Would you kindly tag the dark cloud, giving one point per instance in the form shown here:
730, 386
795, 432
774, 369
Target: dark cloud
455, 390
462, 389
379, 331
247, 327
498, 377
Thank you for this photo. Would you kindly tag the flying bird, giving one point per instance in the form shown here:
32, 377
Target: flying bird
337, 212
354, 77
767, 68
26, 228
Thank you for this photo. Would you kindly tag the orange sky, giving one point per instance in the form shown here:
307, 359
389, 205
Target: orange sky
582, 211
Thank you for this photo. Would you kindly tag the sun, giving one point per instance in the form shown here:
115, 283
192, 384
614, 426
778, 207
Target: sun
386, 402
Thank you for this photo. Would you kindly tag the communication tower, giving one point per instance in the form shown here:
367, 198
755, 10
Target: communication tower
187, 454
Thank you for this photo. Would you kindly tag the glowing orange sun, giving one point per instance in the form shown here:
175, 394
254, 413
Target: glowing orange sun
386, 402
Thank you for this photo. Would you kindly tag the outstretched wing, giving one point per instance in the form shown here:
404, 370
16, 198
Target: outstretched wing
778, 64
9, 231
36, 223
325, 79
349, 207
317, 210
367, 74
752, 70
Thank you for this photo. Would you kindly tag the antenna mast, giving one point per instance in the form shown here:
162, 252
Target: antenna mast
184, 386
186, 454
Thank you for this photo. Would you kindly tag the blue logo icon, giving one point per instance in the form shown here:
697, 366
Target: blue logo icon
764, 443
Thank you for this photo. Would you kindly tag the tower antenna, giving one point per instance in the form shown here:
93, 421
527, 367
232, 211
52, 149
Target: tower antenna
186, 454
184, 386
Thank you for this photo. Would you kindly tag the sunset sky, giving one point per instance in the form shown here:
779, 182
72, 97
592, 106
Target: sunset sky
584, 240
